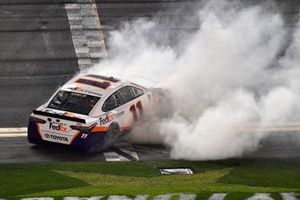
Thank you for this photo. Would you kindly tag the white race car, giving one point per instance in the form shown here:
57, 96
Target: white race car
91, 112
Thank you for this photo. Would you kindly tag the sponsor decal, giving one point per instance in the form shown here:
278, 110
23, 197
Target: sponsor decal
84, 135
103, 84
110, 117
110, 78
79, 89
56, 126
56, 138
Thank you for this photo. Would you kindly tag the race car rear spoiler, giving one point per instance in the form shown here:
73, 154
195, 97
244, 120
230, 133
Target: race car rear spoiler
74, 119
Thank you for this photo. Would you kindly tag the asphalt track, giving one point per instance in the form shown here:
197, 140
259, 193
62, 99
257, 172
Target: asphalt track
18, 150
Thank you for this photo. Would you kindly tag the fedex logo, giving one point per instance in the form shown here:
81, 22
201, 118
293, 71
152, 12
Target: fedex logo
107, 119
110, 117
58, 126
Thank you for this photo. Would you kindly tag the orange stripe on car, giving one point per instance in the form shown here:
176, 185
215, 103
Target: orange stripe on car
100, 129
105, 128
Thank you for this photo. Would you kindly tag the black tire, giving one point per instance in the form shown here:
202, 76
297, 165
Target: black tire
113, 133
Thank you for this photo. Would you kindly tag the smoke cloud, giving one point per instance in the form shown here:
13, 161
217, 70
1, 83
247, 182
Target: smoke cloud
224, 77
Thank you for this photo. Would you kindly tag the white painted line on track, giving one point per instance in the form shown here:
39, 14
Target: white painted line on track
141, 197
288, 196
8, 135
163, 197
217, 196
13, 130
187, 196
131, 153
111, 156
38, 198
80, 198
261, 196
115, 197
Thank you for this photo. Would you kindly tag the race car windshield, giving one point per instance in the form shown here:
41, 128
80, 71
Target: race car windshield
73, 102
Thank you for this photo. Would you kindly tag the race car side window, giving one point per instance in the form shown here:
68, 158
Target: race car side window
110, 103
137, 92
126, 94
120, 97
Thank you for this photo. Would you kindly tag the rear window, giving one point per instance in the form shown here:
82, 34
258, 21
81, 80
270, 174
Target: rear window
73, 102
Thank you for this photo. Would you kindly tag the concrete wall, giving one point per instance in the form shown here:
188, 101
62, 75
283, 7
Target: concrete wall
36, 56
114, 12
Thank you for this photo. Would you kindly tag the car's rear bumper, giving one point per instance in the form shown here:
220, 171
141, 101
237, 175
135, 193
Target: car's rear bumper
88, 141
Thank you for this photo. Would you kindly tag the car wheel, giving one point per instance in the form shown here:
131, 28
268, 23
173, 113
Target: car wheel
112, 134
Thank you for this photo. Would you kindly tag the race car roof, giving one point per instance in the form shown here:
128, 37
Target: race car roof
92, 84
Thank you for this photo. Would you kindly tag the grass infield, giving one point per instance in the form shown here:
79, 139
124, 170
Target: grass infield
239, 178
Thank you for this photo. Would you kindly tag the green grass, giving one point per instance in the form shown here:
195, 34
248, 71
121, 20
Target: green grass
239, 178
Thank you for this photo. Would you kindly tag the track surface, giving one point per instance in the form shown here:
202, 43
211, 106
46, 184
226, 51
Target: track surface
17, 149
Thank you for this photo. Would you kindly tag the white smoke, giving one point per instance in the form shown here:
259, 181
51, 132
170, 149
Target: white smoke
225, 77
